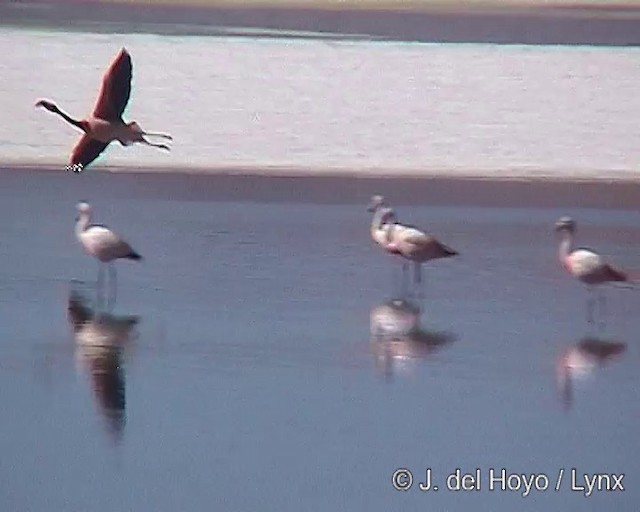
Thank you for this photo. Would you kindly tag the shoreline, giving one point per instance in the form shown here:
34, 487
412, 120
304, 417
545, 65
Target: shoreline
435, 189
290, 171
461, 22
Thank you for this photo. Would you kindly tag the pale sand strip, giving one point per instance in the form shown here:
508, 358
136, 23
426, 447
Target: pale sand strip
513, 174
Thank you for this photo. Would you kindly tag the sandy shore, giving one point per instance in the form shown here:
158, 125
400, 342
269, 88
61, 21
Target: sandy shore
498, 175
579, 6
266, 185
519, 21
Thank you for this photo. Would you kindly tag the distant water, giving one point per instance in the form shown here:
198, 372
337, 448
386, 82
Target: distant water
232, 101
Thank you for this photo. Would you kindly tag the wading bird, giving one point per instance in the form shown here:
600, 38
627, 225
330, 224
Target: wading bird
408, 241
416, 246
585, 265
106, 124
102, 243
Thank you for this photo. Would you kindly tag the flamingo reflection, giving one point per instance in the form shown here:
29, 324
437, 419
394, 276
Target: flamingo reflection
397, 337
100, 339
580, 360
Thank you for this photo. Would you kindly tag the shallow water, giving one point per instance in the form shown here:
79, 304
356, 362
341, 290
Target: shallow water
231, 101
252, 378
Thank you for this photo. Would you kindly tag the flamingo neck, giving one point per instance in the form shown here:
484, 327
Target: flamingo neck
380, 217
71, 120
566, 245
376, 221
82, 223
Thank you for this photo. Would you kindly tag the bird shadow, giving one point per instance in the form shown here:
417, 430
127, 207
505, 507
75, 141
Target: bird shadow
581, 360
397, 336
100, 340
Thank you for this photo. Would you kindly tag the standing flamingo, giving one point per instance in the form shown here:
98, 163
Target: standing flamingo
102, 243
106, 124
585, 265
411, 243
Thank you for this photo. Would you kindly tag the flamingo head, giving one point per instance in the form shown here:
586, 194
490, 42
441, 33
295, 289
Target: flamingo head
376, 202
565, 224
83, 208
51, 107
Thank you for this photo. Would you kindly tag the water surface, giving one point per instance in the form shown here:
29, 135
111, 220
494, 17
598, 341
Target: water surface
251, 377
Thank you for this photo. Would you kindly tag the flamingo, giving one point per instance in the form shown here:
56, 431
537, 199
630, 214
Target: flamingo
585, 265
416, 246
106, 124
101, 243
410, 242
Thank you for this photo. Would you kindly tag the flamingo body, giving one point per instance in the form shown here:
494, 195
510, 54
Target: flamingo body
103, 244
417, 246
99, 241
590, 268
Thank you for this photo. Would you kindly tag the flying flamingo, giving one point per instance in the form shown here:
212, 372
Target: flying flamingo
585, 265
106, 124
102, 243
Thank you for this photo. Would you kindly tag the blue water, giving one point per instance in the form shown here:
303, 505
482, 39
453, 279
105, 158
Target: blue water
251, 379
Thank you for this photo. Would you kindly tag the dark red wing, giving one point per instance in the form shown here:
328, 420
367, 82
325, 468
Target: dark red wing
116, 88
87, 150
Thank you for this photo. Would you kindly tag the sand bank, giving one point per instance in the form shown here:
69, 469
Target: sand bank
277, 185
514, 21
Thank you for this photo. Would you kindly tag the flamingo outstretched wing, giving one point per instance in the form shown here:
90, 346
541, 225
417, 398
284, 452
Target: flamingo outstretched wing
87, 150
116, 88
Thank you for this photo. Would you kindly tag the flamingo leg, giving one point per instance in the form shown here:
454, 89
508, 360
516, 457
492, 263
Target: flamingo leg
590, 305
417, 278
161, 146
161, 135
405, 281
113, 281
99, 285
417, 272
602, 306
